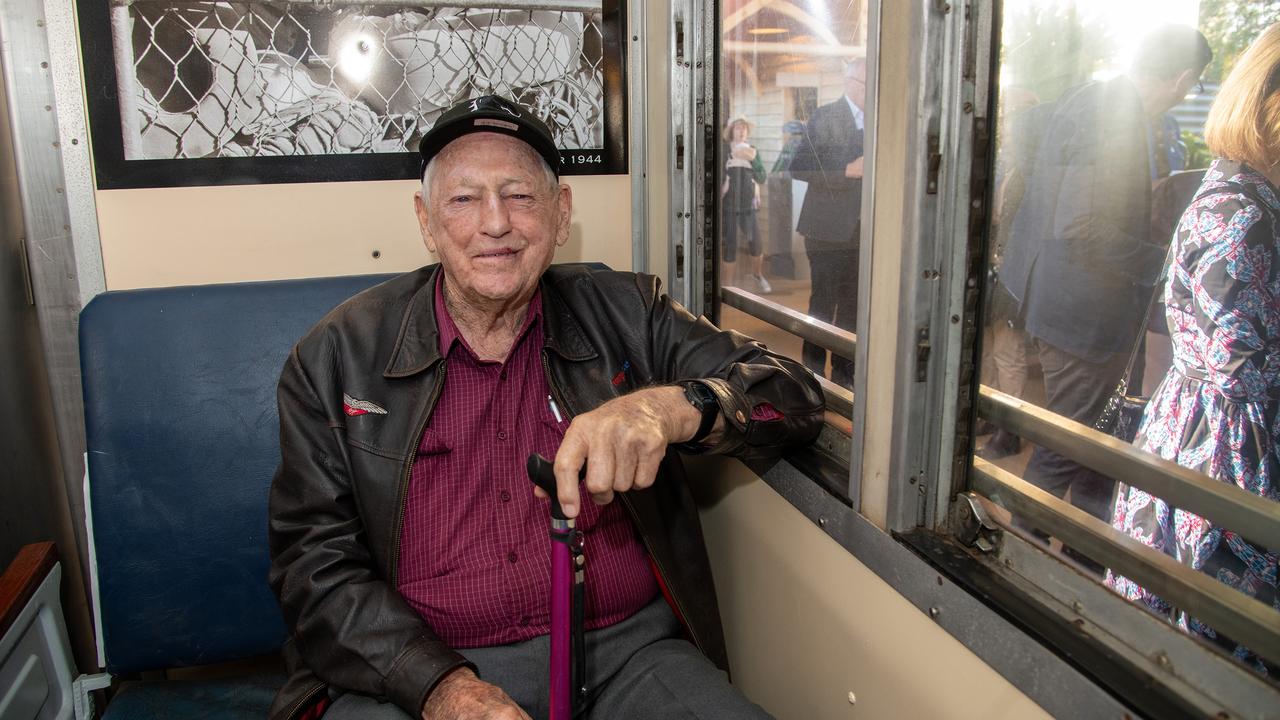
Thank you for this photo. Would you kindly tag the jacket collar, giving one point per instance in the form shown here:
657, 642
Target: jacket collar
418, 345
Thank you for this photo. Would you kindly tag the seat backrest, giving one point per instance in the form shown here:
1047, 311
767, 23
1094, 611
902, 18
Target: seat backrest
183, 438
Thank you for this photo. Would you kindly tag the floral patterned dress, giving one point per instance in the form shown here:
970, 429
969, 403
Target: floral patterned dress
1218, 408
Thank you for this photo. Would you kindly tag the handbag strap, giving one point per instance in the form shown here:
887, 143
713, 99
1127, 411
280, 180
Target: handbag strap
1141, 333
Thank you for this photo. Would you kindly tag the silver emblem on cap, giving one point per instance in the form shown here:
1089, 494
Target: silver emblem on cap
496, 123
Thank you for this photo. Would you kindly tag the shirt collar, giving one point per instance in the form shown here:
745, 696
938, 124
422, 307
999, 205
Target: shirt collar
417, 346
857, 112
449, 333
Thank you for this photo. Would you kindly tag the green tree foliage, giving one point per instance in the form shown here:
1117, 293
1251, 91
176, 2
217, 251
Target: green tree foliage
1049, 46
1198, 155
1230, 25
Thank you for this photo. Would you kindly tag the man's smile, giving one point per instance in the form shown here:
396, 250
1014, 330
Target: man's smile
497, 254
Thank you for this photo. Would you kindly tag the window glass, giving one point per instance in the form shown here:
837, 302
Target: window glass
1124, 248
793, 105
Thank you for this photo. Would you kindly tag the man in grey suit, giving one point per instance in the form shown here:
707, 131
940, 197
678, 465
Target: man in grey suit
830, 161
1080, 262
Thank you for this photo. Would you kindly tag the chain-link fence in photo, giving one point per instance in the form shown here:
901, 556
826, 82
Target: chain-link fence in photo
315, 77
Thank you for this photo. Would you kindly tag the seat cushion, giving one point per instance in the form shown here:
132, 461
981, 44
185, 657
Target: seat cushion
225, 699
180, 420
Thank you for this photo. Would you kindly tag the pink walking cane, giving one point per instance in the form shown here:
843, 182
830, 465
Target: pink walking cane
568, 565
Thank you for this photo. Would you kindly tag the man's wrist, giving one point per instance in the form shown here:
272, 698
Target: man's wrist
704, 411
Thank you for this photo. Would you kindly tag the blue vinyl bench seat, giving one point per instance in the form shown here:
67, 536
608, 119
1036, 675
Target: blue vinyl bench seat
183, 439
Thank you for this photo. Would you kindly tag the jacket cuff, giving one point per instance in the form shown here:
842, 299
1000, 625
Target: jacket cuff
735, 409
418, 671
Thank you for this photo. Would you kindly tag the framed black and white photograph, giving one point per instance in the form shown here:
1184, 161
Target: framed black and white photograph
197, 92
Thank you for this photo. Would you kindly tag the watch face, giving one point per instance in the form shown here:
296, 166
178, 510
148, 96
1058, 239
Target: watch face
701, 397
698, 395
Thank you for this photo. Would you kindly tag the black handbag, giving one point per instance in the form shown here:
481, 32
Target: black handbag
1123, 412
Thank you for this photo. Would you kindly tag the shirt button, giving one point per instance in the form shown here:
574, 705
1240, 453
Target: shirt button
505, 496
511, 557
502, 434
524, 621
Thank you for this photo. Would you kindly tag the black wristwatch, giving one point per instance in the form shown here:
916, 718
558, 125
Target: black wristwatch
704, 401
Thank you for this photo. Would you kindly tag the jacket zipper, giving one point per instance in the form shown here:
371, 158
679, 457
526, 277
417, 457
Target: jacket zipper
415, 441
304, 701
569, 414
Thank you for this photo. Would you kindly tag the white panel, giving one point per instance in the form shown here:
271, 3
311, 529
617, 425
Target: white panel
35, 659
25, 694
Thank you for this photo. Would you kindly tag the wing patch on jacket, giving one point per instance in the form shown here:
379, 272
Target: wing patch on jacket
353, 407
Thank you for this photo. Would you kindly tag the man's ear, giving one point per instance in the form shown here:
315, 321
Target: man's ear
1186, 79
420, 210
565, 220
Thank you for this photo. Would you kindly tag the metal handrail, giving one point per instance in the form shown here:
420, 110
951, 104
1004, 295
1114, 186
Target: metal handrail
837, 340
839, 400
1254, 517
1203, 596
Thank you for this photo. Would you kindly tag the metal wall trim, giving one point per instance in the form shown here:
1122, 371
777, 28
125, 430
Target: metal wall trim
637, 132
41, 65
77, 164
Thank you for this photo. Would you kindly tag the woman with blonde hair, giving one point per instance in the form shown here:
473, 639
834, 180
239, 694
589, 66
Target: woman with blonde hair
1218, 408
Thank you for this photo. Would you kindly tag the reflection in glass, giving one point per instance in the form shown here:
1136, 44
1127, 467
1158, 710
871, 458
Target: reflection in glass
793, 91
1100, 164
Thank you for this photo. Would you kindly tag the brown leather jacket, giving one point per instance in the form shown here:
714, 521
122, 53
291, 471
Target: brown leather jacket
337, 500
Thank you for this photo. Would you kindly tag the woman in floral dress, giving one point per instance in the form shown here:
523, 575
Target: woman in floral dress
1218, 408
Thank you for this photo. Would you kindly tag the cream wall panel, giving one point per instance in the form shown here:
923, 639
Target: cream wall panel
808, 623
894, 119
187, 236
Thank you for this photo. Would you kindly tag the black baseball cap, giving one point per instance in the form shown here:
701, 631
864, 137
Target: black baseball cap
489, 113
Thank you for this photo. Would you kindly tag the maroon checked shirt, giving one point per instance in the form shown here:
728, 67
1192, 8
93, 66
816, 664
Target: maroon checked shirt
475, 556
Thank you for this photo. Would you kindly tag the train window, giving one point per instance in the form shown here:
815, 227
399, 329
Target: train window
1127, 409
793, 106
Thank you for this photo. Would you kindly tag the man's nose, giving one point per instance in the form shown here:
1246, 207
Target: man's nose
496, 220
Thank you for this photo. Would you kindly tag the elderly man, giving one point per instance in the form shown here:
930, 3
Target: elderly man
409, 553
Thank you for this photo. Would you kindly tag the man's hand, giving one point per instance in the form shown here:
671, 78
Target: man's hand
622, 443
853, 169
463, 696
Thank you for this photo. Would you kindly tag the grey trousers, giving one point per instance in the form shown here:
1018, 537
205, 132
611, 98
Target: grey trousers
639, 668
1077, 389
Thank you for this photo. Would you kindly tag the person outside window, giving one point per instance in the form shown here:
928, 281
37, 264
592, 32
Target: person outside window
740, 199
830, 161
1079, 263
1218, 408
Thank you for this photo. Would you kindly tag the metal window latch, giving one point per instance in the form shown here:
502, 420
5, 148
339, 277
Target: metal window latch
922, 353
973, 526
935, 165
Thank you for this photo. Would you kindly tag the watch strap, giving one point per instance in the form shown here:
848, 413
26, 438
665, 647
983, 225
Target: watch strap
704, 401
